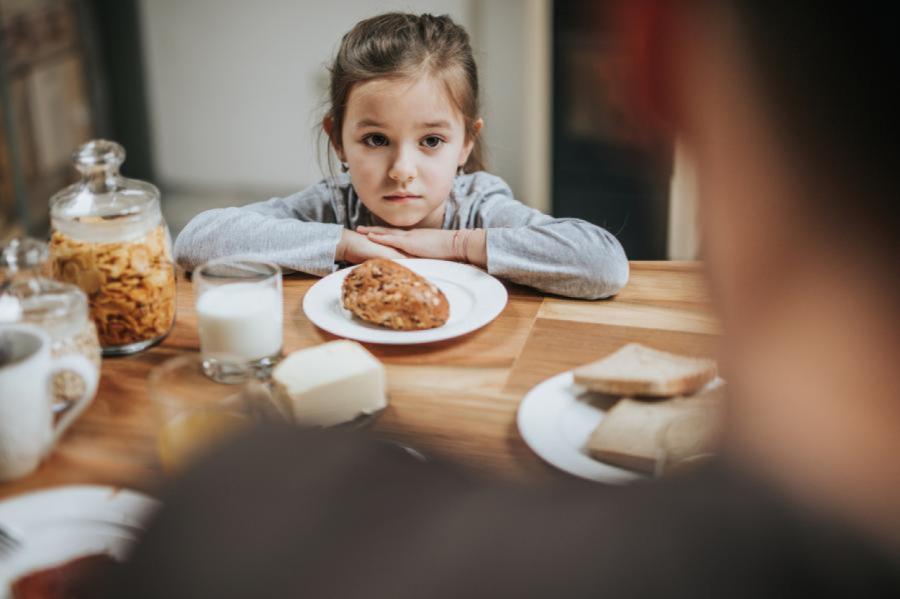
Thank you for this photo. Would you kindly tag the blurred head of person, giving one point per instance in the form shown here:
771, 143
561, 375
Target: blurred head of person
787, 112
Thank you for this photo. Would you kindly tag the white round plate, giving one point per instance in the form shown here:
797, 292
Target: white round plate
556, 419
60, 524
475, 297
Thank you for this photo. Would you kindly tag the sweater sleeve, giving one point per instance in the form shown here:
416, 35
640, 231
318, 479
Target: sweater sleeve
565, 256
300, 232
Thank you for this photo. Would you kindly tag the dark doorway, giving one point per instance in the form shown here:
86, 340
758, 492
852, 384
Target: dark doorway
604, 170
70, 70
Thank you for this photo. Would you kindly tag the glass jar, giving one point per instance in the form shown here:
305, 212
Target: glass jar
109, 238
58, 308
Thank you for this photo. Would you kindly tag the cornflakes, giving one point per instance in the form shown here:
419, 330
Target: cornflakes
130, 285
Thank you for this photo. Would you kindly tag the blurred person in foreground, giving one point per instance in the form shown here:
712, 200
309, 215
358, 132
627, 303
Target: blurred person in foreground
789, 114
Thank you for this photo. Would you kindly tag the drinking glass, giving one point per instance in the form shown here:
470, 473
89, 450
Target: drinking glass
240, 316
195, 413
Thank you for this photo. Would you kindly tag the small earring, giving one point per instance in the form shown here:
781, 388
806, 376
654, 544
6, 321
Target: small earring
345, 167
460, 171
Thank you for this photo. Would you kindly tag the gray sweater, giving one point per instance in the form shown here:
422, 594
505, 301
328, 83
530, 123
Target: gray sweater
300, 232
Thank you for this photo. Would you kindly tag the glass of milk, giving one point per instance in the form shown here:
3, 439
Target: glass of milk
240, 318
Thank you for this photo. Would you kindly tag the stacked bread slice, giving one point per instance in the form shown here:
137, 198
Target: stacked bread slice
664, 413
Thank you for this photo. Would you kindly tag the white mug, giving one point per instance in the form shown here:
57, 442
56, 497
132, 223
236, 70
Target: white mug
27, 408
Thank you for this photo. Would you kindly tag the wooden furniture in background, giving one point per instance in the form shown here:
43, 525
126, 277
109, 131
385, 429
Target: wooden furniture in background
608, 167
45, 105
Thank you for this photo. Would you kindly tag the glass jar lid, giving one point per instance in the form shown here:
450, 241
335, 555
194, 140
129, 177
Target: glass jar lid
103, 199
23, 253
59, 308
21, 262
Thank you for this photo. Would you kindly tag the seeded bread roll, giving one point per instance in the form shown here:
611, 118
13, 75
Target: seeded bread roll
385, 293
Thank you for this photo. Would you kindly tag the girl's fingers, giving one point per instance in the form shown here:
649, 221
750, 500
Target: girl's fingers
377, 230
394, 241
383, 239
387, 251
393, 254
377, 250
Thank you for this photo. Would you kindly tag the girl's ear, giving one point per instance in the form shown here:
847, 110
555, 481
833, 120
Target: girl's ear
328, 127
470, 143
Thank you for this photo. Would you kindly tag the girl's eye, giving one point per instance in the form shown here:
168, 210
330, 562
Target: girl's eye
432, 141
376, 140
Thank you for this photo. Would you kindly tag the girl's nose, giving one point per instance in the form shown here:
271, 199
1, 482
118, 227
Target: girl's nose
403, 170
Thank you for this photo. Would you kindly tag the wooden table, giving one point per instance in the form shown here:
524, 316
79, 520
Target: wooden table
457, 398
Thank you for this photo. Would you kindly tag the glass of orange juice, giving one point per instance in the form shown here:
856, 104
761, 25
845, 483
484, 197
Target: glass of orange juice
196, 413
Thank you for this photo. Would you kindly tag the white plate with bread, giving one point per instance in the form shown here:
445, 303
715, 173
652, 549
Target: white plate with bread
619, 418
465, 299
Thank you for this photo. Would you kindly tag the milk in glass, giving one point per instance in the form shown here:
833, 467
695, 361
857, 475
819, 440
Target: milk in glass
240, 322
239, 315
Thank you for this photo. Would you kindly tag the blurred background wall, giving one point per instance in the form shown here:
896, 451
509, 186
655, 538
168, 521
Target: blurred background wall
217, 102
237, 90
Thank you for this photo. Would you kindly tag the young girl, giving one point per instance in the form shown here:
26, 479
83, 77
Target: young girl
404, 123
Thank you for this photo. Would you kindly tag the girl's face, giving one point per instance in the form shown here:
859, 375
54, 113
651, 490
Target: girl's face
403, 140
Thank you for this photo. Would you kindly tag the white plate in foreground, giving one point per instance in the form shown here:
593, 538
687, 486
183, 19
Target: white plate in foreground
60, 524
475, 297
556, 419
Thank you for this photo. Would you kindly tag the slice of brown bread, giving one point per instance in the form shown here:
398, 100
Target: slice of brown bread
629, 434
638, 370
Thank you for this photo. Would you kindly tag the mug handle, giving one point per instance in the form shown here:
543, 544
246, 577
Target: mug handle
72, 409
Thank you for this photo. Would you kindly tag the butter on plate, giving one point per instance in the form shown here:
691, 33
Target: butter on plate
330, 384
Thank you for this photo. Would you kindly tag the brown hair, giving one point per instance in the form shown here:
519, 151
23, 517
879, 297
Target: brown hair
401, 45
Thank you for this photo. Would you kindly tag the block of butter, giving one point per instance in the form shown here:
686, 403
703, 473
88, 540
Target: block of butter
330, 384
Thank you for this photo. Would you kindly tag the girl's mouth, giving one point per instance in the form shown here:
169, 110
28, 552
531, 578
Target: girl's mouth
401, 197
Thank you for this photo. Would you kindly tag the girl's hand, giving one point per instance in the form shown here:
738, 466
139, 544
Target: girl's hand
468, 245
356, 248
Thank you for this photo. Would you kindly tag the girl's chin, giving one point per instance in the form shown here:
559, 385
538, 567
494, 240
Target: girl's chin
401, 222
